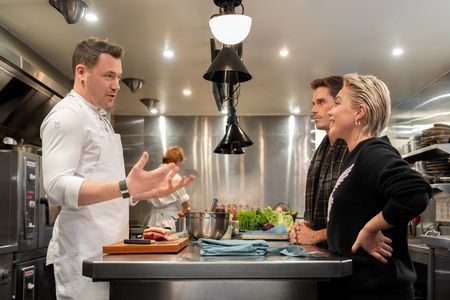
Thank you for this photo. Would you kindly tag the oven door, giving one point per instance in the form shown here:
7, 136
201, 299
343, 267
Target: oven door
34, 280
8, 205
6, 275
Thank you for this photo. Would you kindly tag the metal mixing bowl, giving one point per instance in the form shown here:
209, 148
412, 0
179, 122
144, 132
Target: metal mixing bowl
207, 225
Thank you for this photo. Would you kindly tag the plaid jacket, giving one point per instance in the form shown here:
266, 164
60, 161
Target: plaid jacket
323, 172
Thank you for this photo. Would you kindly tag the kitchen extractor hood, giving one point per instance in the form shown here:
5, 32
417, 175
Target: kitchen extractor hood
25, 100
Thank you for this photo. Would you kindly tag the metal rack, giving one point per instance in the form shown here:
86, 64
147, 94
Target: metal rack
438, 258
432, 152
445, 187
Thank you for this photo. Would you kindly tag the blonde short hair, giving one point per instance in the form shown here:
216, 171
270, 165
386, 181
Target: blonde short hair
373, 94
174, 154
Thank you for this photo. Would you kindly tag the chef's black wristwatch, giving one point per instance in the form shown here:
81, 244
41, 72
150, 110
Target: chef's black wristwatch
124, 189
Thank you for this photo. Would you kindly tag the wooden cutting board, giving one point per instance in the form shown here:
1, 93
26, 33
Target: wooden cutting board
157, 247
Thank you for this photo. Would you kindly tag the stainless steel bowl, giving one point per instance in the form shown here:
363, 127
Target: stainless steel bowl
207, 225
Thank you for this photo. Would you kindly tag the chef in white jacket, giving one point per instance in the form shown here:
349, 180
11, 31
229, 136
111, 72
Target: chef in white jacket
84, 171
164, 210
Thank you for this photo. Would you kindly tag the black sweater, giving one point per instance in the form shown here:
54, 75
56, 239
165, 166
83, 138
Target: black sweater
376, 178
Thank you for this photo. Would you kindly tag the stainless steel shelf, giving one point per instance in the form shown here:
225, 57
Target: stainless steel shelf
445, 187
431, 152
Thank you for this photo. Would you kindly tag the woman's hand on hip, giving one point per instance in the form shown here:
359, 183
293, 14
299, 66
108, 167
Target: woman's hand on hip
375, 243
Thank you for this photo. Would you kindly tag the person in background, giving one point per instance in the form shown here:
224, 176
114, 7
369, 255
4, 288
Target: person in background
374, 198
84, 171
324, 169
164, 210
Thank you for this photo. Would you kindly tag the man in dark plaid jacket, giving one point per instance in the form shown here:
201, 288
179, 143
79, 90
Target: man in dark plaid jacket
324, 169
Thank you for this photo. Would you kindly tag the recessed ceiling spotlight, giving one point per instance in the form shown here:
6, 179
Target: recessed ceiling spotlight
187, 92
91, 17
296, 110
168, 53
397, 51
284, 52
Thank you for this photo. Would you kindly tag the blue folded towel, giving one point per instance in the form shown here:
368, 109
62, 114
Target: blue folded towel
280, 228
294, 250
250, 248
212, 247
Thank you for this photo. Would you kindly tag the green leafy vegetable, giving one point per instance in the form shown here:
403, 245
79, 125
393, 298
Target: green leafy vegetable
255, 219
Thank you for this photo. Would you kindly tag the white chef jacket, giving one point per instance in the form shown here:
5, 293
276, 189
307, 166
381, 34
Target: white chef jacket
79, 143
164, 210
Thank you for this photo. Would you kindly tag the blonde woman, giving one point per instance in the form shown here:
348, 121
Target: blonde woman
164, 210
374, 198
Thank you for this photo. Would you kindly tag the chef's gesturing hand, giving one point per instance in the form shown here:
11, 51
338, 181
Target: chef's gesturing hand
375, 243
159, 182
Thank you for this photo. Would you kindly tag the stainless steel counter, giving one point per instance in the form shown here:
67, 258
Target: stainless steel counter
189, 264
281, 277
438, 266
418, 251
442, 241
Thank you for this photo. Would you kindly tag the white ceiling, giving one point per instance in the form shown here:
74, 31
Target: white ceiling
324, 37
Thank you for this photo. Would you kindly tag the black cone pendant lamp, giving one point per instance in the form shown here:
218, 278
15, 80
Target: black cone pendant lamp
226, 72
227, 67
230, 150
234, 139
234, 135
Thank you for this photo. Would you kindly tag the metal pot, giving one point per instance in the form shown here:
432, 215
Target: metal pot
207, 225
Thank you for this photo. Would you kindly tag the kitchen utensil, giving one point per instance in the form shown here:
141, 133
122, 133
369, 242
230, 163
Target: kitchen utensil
136, 232
137, 241
207, 225
214, 205
180, 224
235, 226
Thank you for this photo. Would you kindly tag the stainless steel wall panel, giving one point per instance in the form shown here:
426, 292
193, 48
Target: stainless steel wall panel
129, 125
272, 170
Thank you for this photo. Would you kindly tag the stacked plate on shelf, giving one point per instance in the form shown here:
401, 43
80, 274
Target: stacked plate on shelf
438, 134
438, 168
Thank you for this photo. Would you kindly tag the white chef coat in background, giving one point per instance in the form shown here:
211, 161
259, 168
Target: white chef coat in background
164, 210
78, 144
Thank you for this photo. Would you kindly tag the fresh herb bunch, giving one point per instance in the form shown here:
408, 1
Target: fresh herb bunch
256, 219
251, 220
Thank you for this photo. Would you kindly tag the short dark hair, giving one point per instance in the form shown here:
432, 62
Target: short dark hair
88, 51
334, 83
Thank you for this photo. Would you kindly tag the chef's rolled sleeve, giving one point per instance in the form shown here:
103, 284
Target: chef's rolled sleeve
62, 141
